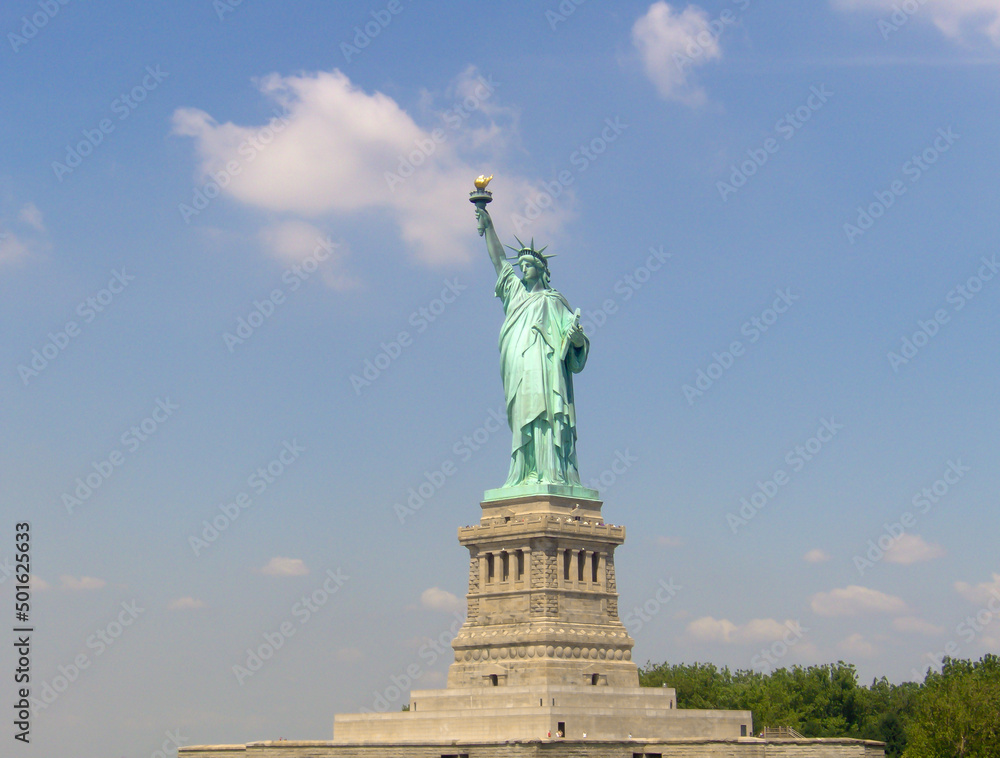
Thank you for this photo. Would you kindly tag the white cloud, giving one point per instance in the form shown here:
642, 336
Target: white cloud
285, 567
292, 241
981, 593
911, 548
22, 234
68, 582
296, 242
37, 583
498, 131
764, 630
185, 604
12, 248
339, 150
857, 646
31, 216
709, 629
816, 556
671, 44
437, 599
852, 600
958, 19
913, 625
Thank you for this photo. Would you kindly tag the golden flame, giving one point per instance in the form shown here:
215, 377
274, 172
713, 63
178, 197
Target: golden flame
482, 181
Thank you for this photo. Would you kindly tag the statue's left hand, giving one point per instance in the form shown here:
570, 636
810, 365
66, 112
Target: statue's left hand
575, 334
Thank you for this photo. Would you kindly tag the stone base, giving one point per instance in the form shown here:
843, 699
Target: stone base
588, 748
480, 714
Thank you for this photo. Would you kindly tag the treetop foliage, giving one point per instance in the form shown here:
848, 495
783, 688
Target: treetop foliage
954, 713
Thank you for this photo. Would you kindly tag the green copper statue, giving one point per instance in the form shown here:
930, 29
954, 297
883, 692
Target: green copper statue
541, 346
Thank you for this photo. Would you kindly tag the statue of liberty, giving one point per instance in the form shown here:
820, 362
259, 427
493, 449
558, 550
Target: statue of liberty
541, 346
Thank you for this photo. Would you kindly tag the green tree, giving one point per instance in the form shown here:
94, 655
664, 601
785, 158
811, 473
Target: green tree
817, 701
703, 684
958, 712
887, 710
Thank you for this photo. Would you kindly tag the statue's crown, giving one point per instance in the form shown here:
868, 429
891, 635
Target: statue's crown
530, 250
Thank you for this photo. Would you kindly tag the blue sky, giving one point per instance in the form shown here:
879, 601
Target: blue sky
779, 220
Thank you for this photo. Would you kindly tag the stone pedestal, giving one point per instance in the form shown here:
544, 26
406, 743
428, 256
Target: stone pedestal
543, 653
543, 604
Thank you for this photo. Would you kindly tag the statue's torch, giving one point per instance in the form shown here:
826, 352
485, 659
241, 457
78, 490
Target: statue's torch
481, 196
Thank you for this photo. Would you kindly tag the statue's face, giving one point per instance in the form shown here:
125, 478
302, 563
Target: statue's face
530, 269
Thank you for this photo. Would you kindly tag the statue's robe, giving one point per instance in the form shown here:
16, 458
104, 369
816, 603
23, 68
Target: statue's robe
538, 382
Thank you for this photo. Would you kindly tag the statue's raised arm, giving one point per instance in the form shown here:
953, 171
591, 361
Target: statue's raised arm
481, 197
493, 245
